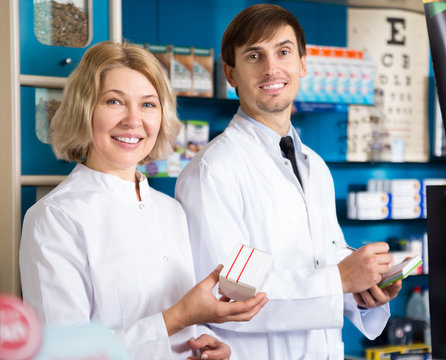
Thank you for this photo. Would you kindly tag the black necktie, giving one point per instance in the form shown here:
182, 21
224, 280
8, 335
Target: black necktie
287, 146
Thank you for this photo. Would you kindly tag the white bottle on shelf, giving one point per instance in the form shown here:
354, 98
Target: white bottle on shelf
415, 306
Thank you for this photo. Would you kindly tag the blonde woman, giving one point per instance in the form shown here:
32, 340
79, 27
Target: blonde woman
103, 245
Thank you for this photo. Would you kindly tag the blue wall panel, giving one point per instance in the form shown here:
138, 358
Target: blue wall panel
141, 21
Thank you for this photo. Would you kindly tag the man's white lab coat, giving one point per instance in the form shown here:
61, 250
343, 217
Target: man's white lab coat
240, 189
91, 251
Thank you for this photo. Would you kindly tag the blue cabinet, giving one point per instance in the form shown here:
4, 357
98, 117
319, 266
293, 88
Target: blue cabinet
40, 26
43, 23
53, 38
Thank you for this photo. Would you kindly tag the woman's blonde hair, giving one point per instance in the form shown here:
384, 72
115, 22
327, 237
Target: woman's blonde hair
71, 126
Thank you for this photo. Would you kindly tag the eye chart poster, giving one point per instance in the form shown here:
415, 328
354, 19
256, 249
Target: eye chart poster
395, 127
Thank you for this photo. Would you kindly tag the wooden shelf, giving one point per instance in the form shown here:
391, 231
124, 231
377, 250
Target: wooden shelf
41, 180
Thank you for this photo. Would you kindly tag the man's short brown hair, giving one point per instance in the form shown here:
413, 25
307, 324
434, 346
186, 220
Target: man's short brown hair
256, 23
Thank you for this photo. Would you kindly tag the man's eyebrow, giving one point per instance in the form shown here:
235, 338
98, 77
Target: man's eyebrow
257, 48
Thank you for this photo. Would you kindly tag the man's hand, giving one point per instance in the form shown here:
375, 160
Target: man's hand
375, 296
210, 348
364, 268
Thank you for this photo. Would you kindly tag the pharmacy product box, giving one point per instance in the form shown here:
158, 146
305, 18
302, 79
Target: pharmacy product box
224, 89
244, 273
365, 205
343, 72
319, 84
399, 256
407, 212
404, 186
373, 213
203, 73
306, 90
162, 53
351, 205
376, 185
355, 62
197, 135
395, 186
173, 164
367, 199
407, 200
181, 70
331, 74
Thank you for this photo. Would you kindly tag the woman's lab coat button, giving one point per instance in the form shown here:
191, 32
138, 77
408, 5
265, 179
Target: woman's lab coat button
141, 206
165, 258
317, 263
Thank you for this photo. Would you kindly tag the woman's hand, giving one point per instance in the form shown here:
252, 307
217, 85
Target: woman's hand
210, 348
199, 305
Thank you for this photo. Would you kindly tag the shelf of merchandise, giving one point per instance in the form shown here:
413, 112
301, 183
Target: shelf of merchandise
201, 25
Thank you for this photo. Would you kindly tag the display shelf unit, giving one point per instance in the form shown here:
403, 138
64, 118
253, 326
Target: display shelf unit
197, 23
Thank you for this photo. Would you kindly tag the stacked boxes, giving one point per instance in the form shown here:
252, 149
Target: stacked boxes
194, 134
181, 70
365, 205
390, 199
338, 75
197, 135
162, 53
203, 73
190, 70
406, 196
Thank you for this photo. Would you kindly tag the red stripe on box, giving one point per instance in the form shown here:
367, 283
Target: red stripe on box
246, 263
234, 261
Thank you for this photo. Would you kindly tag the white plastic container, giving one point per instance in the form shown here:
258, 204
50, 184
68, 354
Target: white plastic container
415, 306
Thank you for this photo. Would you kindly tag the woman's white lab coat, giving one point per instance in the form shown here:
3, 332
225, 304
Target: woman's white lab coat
91, 251
241, 189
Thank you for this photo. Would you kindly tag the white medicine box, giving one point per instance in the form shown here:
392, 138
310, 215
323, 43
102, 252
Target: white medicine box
244, 273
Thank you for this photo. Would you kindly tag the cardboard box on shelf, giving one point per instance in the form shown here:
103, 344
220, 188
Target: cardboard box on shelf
181, 70
203, 74
162, 53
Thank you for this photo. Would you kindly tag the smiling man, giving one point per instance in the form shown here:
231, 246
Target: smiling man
258, 184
